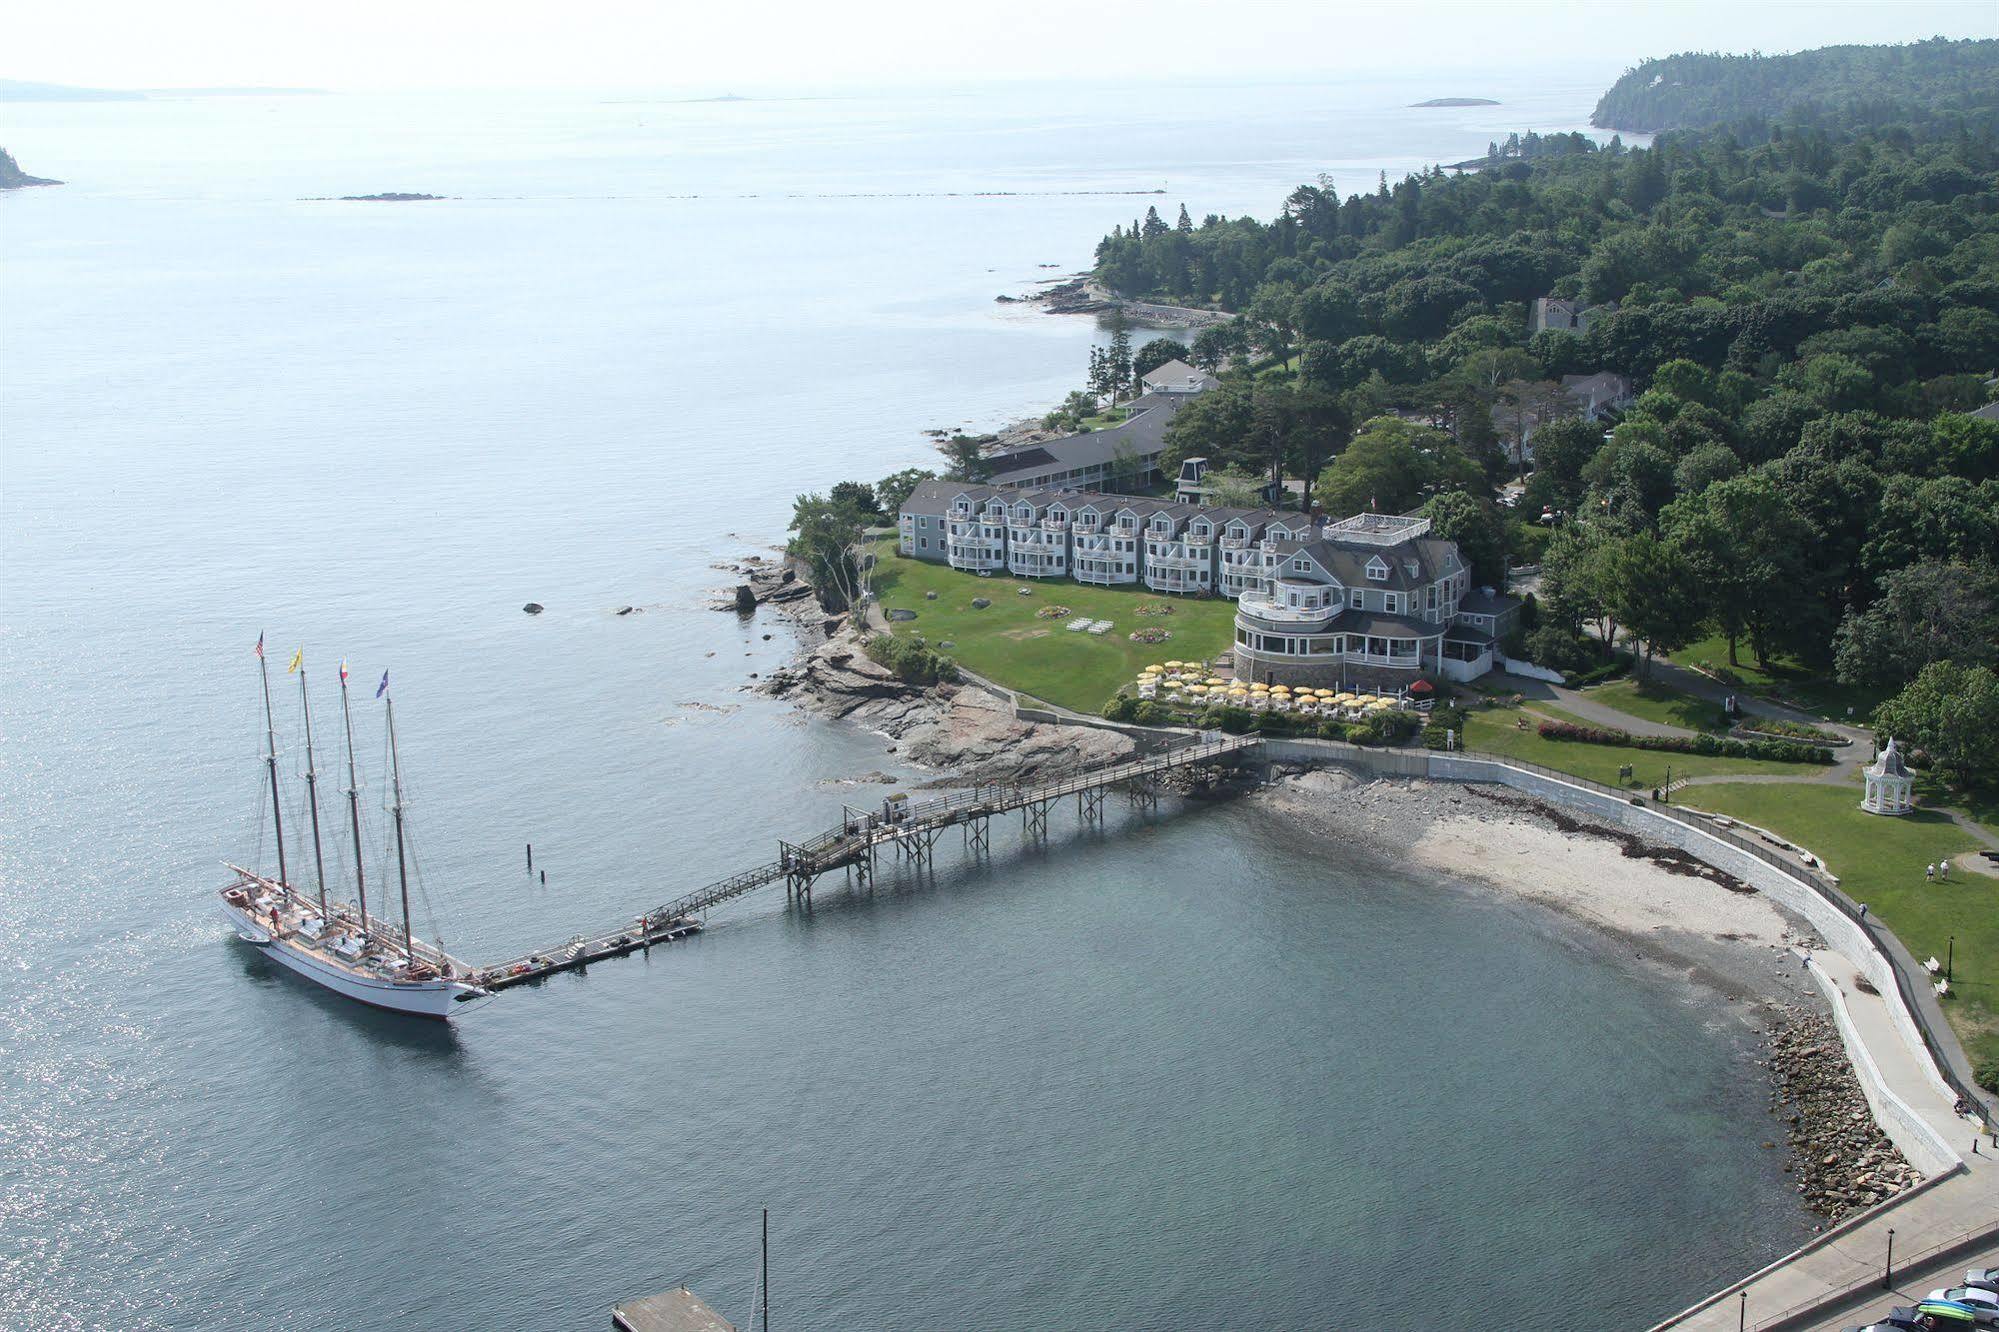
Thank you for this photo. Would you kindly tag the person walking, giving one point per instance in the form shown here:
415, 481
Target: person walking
1930, 873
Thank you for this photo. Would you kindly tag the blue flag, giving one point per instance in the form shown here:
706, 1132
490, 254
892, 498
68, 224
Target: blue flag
383, 687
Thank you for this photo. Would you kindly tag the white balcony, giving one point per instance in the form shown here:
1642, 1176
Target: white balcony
1276, 612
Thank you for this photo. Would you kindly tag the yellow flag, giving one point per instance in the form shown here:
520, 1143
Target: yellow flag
298, 660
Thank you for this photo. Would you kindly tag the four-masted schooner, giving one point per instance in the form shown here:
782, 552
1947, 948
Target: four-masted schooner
338, 944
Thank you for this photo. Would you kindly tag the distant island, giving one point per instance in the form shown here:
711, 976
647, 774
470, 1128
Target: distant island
13, 178
390, 196
1456, 101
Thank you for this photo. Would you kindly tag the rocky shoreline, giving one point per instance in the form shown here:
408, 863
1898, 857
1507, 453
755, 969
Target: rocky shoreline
1843, 1161
1083, 294
963, 729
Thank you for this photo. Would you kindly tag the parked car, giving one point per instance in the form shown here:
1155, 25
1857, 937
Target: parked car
1983, 1303
1987, 1277
1902, 1318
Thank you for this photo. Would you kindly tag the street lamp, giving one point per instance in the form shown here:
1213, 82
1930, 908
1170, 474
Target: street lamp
1949, 955
1888, 1272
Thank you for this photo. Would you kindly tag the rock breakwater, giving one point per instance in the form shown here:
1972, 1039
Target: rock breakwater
1843, 1161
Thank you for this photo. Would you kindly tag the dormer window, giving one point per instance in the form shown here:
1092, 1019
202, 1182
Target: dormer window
1376, 569
1301, 564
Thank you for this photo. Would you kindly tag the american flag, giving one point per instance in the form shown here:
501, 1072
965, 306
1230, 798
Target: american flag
260, 647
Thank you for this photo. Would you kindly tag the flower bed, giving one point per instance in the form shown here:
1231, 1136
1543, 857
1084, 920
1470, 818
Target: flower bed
1769, 728
1052, 613
1776, 751
1150, 635
1155, 608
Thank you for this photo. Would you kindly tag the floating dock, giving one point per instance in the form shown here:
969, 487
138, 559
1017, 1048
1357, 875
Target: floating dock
678, 1310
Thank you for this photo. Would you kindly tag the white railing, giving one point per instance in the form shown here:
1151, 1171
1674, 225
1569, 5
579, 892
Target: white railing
1265, 609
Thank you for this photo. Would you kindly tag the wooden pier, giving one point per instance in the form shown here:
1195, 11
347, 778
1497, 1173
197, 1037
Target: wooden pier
905, 829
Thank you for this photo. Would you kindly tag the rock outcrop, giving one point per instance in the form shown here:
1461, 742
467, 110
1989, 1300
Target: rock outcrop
962, 729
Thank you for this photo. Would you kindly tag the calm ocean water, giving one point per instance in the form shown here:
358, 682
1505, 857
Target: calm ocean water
1197, 1074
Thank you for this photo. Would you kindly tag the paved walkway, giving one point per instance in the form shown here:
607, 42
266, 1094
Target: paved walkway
1946, 1214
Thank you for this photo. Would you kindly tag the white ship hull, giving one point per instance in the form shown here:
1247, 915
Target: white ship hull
428, 998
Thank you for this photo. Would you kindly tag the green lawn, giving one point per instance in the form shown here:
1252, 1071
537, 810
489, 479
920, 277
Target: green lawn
1880, 861
1785, 680
1496, 730
1654, 702
1007, 643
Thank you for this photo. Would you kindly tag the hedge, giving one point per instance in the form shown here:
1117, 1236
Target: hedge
1777, 751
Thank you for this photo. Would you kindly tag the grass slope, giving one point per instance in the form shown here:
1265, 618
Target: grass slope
1496, 730
1785, 680
1655, 703
1880, 861
1006, 643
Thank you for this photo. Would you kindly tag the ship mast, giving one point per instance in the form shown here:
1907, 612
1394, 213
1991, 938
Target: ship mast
312, 788
271, 759
402, 867
354, 806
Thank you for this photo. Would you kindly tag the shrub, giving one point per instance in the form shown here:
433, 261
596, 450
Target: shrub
1442, 721
1121, 708
1559, 650
1235, 721
1619, 663
910, 660
1151, 712
1333, 729
1776, 751
1987, 1075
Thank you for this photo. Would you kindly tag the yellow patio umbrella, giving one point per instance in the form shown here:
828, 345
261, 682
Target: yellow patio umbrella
1174, 665
1197, 689
1260, 687
1216, 680
1323, 693
1154, 670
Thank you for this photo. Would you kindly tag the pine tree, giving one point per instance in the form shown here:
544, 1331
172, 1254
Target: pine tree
1186, 223
1117, 359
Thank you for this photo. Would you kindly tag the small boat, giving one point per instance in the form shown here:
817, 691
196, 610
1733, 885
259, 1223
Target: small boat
340, 945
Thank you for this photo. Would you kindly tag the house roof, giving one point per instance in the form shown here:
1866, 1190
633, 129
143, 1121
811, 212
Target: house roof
933, 498
1177, 371
1890, 763
1144, 433
1482, 602
1989, 412
1383, 625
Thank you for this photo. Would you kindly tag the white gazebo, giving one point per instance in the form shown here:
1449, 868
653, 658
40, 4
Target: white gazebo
1890, 788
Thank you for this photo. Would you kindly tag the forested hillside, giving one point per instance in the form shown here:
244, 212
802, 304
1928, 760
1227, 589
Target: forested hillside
1806, 316
1934, 87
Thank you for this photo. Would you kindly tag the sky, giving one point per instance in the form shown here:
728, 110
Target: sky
780, 46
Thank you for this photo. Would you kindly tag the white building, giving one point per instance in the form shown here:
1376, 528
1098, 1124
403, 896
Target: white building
1369, 602
1890, 787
